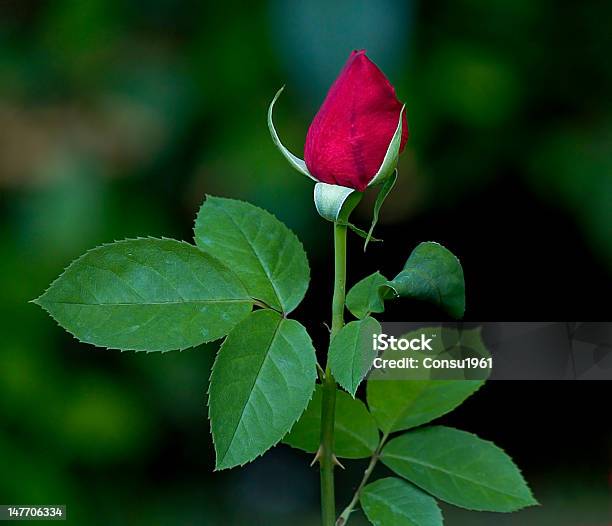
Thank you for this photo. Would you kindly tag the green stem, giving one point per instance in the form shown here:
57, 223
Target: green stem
326, 460
328, 404
339, 278
344, 516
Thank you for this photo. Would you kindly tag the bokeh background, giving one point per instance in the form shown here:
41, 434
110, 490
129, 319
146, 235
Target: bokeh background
118, 116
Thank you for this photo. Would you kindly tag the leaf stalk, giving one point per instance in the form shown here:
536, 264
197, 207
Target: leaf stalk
344, 516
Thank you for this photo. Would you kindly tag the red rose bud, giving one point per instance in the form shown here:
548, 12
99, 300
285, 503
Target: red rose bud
349, 136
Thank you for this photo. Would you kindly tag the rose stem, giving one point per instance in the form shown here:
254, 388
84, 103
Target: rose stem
328, 405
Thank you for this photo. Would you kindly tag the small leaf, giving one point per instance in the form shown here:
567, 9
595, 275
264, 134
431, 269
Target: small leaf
356, 435
294, 161
262, 251
364, 297
147, 295
351, 352
261, 382
384, 191
432, 273
390, 160
459, 468
334, 202
399, 405
393, 502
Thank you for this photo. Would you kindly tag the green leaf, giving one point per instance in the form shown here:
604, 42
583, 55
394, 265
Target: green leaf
459, 468
261, 382
390, 161
334, 202
398, 405
146, 295
384, 191
351, 352
393, 502
262, 251
432, 273
356, 435
364, 297
293, 160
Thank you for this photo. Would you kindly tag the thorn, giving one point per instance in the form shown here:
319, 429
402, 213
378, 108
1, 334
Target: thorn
327, 327
336, 462
321, 372
317, 457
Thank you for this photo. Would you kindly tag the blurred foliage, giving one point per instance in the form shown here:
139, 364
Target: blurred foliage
118, 116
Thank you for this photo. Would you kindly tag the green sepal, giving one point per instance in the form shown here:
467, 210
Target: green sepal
390, 160
384, 191
293, 160
334, 202
362, 233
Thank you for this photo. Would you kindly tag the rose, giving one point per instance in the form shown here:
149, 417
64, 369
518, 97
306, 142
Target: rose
353, 142
349, 136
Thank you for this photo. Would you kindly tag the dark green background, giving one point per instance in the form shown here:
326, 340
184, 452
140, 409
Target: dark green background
116, 117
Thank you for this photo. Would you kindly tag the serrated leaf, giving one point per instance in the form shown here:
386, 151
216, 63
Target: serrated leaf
262, 251
351, 352
398, 405
355, 432
434, 274
261, 382
459, 468
293, 160
364, 297
147, 295
394, 502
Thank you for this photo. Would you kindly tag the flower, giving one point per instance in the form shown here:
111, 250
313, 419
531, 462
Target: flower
349, 136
